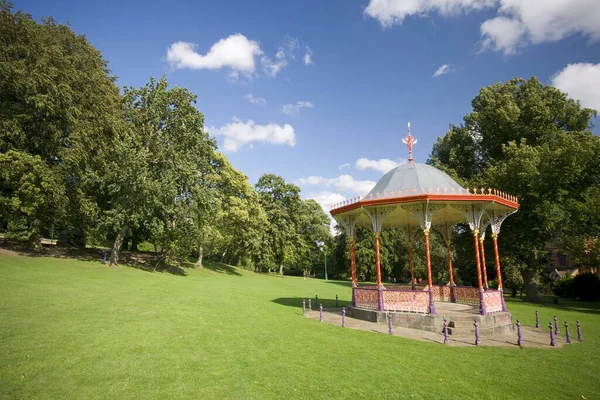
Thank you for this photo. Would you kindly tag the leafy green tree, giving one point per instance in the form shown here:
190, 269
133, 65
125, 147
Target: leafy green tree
281, 202
57, 102
529, 140
150, 175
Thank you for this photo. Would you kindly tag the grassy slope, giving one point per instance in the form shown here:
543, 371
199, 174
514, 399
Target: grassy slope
73, 329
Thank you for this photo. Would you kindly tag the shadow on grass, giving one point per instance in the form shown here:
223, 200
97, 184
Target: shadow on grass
221, 268
145, 261
341, 283
563, 304
296, 302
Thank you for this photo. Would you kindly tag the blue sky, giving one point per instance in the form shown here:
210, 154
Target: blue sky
333, 122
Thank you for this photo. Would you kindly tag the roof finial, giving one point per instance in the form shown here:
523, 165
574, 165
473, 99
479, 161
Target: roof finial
409, 141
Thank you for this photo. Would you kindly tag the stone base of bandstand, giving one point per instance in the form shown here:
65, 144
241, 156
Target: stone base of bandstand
460, 317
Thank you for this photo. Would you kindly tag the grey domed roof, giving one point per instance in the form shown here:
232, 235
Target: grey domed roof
414, 176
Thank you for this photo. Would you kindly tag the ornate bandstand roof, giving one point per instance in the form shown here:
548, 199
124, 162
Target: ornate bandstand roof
414, 175
420, 194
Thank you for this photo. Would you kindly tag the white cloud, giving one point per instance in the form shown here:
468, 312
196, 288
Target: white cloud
390, 12
294, 109
284, 54
346, 165
308, 56
522, 22
383, 165
580, 82
255, 100
238, 134
443, 70
235, 52
344, 183
517, 22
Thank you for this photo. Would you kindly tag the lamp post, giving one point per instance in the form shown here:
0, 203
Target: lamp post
323, 248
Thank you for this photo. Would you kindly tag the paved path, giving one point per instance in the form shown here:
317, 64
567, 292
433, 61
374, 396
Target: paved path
533, 338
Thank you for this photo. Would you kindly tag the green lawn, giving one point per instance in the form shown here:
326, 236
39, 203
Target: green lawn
74, 329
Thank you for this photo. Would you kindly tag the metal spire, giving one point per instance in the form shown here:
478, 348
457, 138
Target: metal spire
409, 141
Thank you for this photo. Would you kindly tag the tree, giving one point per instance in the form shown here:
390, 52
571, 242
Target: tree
281, 202
57, 102
529, 140
151, 172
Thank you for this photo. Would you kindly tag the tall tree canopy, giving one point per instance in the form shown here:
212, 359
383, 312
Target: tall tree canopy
530, 140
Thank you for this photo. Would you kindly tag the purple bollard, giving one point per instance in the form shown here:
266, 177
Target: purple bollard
567, 332
336, 301
303, 307
390, 324
343, 317
556, 330
320, 312
309, 305
537, 319
579, 337
477, 340
551, 335
519, 336
446, 338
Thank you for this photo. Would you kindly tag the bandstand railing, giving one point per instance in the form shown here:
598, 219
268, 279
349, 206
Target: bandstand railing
493, 300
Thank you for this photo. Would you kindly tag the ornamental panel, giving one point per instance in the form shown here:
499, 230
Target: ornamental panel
407, 301
366, 298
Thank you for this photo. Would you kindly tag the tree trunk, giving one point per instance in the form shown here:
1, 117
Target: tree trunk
529, 280
114, 253
200, 257
134, 244
281, 268
513, 293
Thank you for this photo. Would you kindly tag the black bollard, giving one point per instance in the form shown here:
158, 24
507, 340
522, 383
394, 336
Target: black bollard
519, 336
316, 301
446, 338
336, 301
551, 335
537, 319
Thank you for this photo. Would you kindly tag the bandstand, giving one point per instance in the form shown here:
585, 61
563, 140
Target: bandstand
418, 196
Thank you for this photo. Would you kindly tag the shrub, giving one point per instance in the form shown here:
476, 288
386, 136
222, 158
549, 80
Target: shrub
563, 287
586, 287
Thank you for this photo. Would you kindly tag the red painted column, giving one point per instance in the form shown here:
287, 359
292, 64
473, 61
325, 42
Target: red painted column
377, 259
450, 262
429, 280
498, 271
479, 283
353, 261
410, 258
483, 265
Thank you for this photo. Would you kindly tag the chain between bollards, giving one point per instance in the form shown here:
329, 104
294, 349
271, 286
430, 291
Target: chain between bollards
320, 312
343, 317
556, 330
336, 301
537, 319
390, 324
579, 337
567, 334
519, 336
477, 340
551, 335
303, 307
446, 338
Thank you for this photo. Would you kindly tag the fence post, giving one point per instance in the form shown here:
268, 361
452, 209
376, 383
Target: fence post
446, 338
567, 332
519, 336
